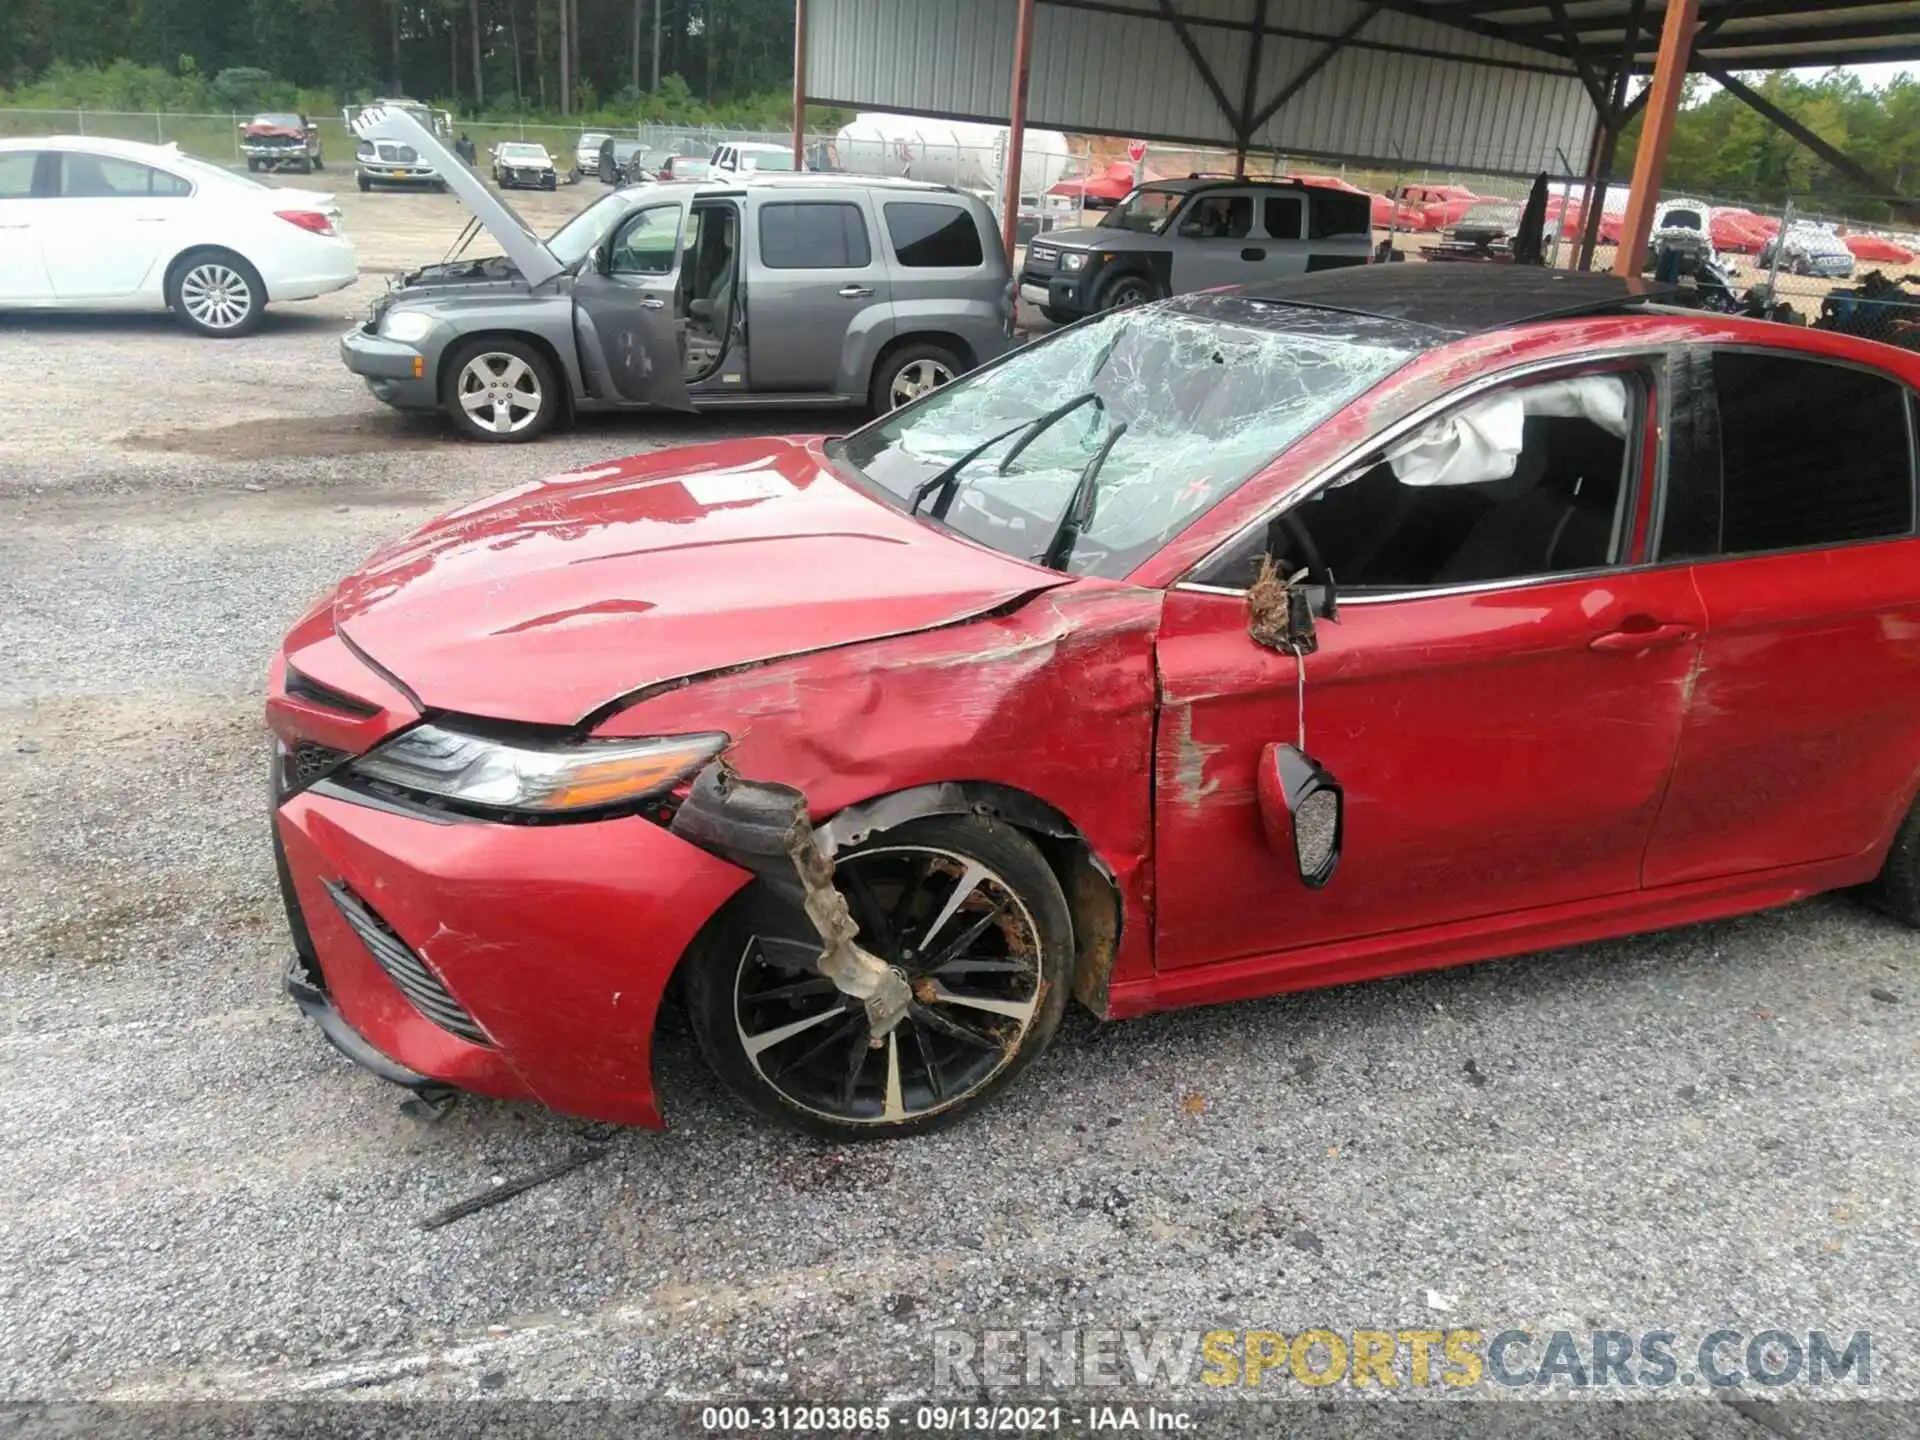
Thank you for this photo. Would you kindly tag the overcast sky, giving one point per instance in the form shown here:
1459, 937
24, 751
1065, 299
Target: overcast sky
1878, 75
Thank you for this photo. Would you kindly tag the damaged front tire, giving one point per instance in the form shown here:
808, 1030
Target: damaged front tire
966, 910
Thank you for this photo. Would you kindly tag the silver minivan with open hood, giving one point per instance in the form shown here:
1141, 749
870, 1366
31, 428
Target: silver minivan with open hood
754, 290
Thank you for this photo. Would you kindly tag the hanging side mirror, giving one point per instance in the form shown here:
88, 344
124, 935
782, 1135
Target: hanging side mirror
1303, 811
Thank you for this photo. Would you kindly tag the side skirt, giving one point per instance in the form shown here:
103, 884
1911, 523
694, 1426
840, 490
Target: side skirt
1493, 937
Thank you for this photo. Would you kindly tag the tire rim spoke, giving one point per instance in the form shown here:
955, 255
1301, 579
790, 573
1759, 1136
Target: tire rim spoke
963, 890
1012, 1009
960, 944
756, 1043
849, 1025
953, 1028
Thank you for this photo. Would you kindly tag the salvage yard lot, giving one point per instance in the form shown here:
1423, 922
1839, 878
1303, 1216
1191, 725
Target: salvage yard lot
1717, 1126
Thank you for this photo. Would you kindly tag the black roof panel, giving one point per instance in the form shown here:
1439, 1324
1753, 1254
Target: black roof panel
1460, 299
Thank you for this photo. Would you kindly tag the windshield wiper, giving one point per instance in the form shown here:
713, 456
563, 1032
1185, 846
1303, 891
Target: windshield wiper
947, 481
1079, 512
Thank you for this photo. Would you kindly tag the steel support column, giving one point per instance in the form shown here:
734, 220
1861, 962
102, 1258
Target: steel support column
799, 83
1663, 104
1017, 128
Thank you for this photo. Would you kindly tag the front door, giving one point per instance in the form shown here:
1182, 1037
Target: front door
626, 310
1500, 696
23, 273
1218, 240
1802, 741
818, 276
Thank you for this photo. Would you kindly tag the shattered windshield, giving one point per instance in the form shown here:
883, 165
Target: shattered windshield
1209, 388
1147, 211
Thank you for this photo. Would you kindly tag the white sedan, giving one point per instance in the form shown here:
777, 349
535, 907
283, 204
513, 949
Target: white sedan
113, 224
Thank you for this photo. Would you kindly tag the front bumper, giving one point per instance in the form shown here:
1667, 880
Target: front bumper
557, 940
396, 175
401, 375
1056, 292
528, 180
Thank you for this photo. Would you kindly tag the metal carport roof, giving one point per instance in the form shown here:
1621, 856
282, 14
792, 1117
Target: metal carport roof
1735, 34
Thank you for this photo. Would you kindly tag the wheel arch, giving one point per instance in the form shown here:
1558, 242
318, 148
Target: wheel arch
946, 339
1094, 900
170, 272
1093, 894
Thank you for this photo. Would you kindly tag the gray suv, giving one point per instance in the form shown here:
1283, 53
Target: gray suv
1172, 236
782, 290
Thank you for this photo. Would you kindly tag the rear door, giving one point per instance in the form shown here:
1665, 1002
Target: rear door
626, 317
817, 280
110, 226
23, 207
1796, 522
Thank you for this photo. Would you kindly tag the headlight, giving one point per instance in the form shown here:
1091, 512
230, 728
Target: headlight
407, 326
1070, 260
535, 779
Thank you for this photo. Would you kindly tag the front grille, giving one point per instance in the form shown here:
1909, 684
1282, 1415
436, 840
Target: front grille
398, 154
1043, 254
411, 975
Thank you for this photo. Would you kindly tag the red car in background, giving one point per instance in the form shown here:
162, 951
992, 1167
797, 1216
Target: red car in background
1740, 232
1446, 614
1384, 211
1878, 250
1437, 206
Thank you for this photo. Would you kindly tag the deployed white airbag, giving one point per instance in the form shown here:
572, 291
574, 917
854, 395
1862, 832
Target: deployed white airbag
1482, 442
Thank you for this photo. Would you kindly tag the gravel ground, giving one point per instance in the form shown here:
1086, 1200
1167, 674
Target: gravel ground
1708, 1128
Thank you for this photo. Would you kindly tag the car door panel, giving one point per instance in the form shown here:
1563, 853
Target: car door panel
626, 320
26, 180
1204, 260
803, 317
1802, 738
101, 246
1493, 758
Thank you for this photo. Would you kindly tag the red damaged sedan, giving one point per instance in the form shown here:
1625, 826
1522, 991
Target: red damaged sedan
1248, 642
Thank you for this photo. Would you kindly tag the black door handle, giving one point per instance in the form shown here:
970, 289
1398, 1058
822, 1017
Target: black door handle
1253, 254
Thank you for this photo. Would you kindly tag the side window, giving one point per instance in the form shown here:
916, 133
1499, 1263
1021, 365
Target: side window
1283, 217
1784, 482
1332, 213
648, 243
814, 235
933, 236
1530, 481
16, 174
1218, 217
103, 177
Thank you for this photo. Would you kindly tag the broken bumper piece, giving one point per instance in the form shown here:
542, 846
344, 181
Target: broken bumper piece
764, 828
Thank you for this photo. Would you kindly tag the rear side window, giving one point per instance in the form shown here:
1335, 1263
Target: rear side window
1810, 454
96, 177
16, 173
931, 236
1283, 217
814, 235
1334, 213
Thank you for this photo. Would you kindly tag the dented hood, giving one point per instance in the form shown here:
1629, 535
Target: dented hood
551, 601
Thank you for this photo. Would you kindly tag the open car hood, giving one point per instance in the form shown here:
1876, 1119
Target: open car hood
550, 602
516, 238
